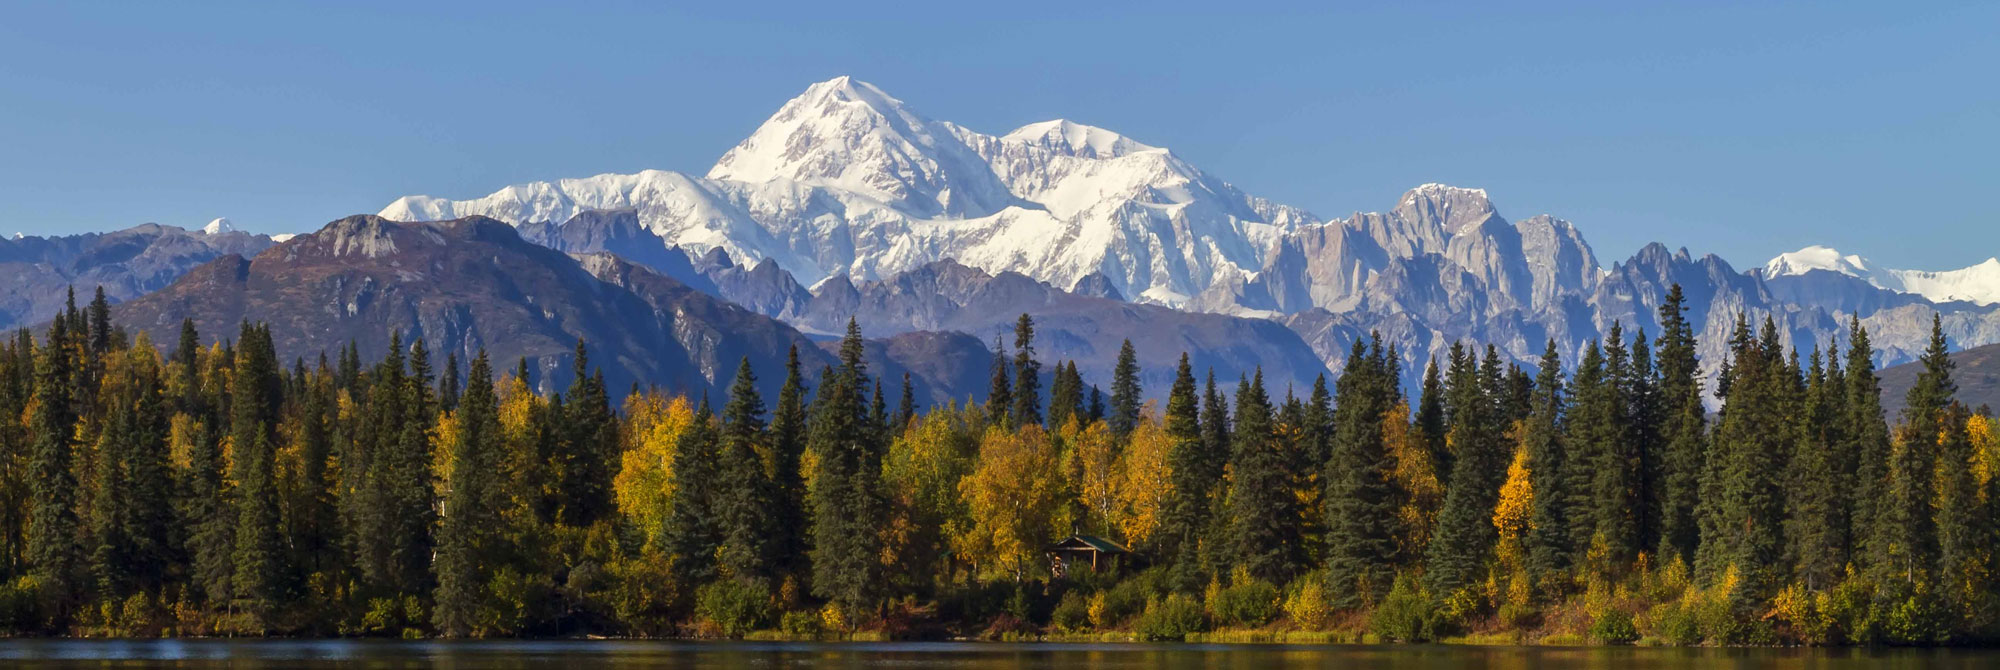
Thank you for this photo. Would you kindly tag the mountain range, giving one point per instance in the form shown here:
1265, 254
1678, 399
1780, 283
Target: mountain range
846, 185
848, 203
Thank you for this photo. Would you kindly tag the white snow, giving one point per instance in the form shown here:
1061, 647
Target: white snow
1978, 284
281, 238
218, 226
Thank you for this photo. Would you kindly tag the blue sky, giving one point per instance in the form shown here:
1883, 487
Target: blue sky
1743, 130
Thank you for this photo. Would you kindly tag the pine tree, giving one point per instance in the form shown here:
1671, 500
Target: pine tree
1027, 374
259, 581
1465, 533
691, 533
788, 444
1193, 473
999, 396
1816, 528
1429, 422
100, 324
52, 542
906, 406
471, 538
1125, 391
448, 384
1906, 535
1263, 517
590, 451
1548, 540
743, 494
1745, 530
1683, 429
1865, 436
846, 498
1360, 510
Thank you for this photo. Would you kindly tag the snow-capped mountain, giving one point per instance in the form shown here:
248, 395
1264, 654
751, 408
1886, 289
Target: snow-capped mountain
847, 180
846, 184
1978, 284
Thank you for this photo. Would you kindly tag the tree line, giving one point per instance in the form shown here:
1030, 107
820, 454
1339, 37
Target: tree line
212, 489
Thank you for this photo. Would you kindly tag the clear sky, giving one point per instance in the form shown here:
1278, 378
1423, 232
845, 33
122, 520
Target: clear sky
1744, 130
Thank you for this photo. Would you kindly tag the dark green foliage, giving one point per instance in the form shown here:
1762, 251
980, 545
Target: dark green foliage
742, 497
1000, 396
788, 490
1744, 529
1027, 375
588, 457
1195, 469
1549, 551
691, 531
1465, 533
847, 500
1125, 391
1263, 511
471, 537
1359, 500
53, 547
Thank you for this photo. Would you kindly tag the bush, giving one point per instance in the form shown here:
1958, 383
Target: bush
1614, 626
1249, 602
801, 624
1915, 620
1307, 602
1171, 618
1124, 601
21, 604
734, 607
1072, 612
1406, 614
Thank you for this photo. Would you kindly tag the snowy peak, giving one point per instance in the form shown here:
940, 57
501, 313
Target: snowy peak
219, 226
1977, 284
1075, 139
851, 135
1451, 207
1816, 257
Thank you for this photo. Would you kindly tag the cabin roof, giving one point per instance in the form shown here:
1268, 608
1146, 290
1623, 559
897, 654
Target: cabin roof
1088, 543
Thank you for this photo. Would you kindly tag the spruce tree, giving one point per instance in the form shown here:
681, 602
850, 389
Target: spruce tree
1359, 500
1027, 374
1864, 430
1549, 552
691, 532
1263, 517
472, 534
743, 492
53, 547
590, 453
1905, 539
788, 444
846, 498
1465, 534
1193, 473
1745, 531
1816, 528
999, 396
1429, 422
1125, 391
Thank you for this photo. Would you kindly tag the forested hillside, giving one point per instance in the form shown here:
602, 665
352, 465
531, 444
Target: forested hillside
216, 489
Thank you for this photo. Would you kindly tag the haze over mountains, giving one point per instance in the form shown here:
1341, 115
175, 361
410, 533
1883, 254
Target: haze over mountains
848, 203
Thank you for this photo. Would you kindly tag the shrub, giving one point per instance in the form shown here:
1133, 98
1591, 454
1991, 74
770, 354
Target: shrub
1406, 614
1072, 612
801, 624
1171, 618
20, 604
1614, 626
1249, 602
1122, 602
1307, 602
734, 607
1911, 621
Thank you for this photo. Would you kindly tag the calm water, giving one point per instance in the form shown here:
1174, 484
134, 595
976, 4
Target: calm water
969, 656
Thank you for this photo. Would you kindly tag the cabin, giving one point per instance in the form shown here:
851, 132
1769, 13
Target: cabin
1080, 550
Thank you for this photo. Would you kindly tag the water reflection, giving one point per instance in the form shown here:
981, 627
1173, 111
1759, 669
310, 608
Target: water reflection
549, 655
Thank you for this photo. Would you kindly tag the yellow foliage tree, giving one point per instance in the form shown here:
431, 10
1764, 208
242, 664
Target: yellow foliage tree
922, 471
1418, 492
1985, 449
1013, 495
1147, 479
643, 488
1096, 475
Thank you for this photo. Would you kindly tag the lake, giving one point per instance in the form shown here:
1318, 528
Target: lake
536, 655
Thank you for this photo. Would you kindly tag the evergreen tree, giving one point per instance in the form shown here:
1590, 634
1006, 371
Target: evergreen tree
590, 452
1263, 518
906, 406
100, 324
1000, 396
1465, 533
1745, 529
1193, 471
846, 498
1865, 441
691, 533
1682, 431
743, 494
788, 444
1359, 500
1817, 525
1125, 391
448, 384
471, 537
53, 547
1429, 423
1027, 374
1549, 552
1906, 536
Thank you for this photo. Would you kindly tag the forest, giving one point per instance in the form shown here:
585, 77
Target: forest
209, 488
